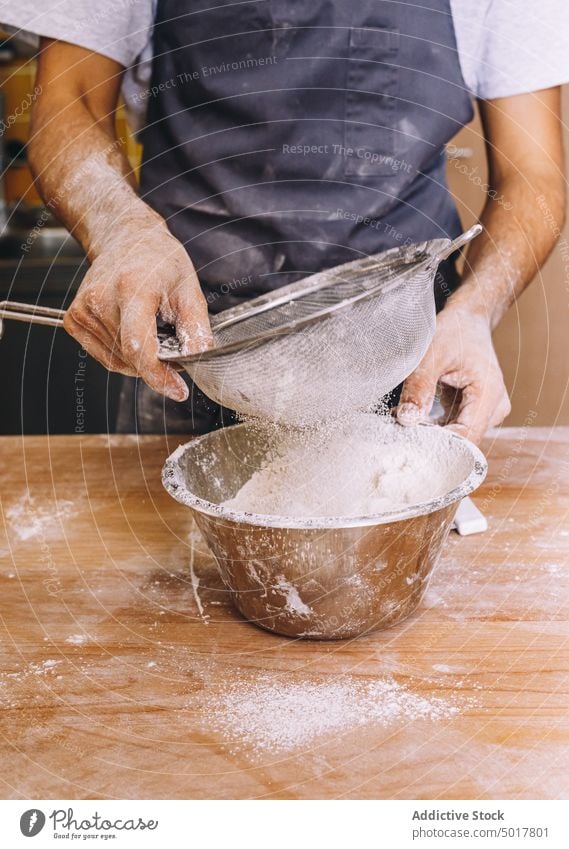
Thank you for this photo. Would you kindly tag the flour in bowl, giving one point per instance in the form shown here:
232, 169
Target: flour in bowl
363, 467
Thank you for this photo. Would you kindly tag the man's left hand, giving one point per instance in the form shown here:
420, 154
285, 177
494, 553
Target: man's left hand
462, 360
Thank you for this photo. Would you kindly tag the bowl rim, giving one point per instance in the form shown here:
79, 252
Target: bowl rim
172, 470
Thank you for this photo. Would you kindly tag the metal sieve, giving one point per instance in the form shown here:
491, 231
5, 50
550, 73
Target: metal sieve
329, 344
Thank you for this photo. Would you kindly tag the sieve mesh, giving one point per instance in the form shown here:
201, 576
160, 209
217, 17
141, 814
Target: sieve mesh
327, 345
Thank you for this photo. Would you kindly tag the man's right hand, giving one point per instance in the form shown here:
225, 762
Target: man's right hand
138, 269
141, 273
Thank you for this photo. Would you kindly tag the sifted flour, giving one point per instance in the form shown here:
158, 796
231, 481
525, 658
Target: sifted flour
274, 716
366, 466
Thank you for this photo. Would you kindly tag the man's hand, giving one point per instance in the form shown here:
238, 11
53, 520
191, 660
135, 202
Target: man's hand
138, 275
525, 162
138, 269
461, 358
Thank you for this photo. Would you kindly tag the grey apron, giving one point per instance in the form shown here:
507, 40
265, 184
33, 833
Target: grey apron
288, 136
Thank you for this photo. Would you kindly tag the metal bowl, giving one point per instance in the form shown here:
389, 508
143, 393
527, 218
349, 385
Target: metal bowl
319, 578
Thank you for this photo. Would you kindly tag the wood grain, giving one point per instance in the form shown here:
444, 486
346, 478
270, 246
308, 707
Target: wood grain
111, 677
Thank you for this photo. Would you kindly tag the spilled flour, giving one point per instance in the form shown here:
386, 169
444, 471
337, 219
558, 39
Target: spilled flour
271, 716
362, 467
31, 517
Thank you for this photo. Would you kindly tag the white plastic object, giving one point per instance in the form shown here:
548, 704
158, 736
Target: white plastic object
469, 519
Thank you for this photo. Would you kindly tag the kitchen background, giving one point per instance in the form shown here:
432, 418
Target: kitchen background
49, 386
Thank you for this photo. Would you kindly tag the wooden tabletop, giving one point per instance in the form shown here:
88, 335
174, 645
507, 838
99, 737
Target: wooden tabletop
125, 673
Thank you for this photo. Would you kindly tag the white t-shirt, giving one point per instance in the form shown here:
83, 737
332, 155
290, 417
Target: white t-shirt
505, 47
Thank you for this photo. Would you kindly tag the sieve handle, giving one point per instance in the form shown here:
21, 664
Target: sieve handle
31, 313
457, 243
36, 314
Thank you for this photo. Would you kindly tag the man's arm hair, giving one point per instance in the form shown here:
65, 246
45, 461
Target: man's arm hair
79, 164
525, 209
522, 218
137, 268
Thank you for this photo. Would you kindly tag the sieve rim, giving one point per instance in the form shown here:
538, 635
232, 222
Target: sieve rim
421, 259
430, 252
172, 467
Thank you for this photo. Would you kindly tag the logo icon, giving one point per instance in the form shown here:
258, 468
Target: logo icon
32, 822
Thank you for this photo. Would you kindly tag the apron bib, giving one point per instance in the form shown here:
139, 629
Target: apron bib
288, 136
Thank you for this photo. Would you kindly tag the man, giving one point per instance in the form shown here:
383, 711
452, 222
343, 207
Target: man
284, 137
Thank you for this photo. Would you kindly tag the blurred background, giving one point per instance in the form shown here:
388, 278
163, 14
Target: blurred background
49, 386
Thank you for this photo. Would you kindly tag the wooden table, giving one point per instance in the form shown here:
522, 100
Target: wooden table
125, 672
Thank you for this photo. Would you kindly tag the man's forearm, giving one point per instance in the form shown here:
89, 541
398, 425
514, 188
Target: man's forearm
138, 270
520, 229
84, 176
